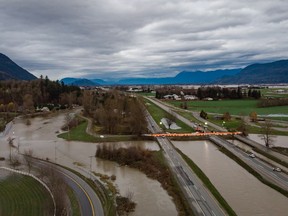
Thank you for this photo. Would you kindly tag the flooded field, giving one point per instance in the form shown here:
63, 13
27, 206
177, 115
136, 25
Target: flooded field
41, 137
278, 141
245, 194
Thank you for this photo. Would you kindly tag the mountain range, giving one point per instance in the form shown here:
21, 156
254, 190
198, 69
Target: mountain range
267, 73
10, 70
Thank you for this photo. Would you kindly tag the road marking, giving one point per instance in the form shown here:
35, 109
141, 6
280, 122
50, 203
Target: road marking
260, 166
203, 198
89, 199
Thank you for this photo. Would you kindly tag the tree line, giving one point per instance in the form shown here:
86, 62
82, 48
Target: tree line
115, 112
273, 102
215, 92
25, 96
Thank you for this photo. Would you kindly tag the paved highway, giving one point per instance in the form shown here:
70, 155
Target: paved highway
200, 199
89, 202
263, 168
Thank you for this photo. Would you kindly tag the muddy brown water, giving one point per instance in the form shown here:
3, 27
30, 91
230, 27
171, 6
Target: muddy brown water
245, 194
41, 137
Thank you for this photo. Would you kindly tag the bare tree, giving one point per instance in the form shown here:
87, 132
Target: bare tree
129, 195
87, 102
59, 191
68, 119
28, 103
170, 118
10, 143
266, 135
14, 160
243, 127
253, 116
226, 116
137, 120
28, 154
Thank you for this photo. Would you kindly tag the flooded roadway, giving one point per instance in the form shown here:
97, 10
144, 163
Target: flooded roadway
41, 137
245, 194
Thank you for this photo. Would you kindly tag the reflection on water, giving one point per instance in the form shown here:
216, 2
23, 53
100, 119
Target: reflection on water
279, 141
41, 137
245, 194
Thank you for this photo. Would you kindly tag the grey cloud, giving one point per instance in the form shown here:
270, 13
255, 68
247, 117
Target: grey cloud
122, 38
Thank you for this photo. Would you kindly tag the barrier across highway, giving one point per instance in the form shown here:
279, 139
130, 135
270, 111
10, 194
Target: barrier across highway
194, 134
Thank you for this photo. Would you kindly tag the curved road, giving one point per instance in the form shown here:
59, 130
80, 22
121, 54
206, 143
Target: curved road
89, 202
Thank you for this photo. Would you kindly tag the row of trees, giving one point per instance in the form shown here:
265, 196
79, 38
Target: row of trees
266, 125
273, 102
215, 92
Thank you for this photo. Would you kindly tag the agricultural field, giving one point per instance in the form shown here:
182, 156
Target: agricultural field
23, 195
275, 92
234, 107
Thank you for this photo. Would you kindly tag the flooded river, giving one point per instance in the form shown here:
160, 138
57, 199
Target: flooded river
41, 137
245, 194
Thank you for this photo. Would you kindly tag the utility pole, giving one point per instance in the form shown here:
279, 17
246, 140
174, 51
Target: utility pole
55, 152
91, 166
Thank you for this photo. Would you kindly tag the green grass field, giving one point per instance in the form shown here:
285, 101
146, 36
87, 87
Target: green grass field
234, 107
23, 195
272, 92
79, 134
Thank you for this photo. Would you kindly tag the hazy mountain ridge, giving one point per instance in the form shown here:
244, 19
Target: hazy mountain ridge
184, 77
10, 70
79, 82
267, 73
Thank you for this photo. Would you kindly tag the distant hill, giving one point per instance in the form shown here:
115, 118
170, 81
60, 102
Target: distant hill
10, 70
200, 77
84, 82
79, 82
268, 73
100, 81
184, 77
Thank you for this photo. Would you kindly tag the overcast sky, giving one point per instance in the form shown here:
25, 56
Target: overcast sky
141, 38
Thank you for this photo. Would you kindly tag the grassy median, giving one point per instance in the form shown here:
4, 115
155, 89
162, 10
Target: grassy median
157, 113
207, 183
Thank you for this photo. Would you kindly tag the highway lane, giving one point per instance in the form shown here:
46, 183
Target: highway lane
200, 199
263, 168
89, 202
